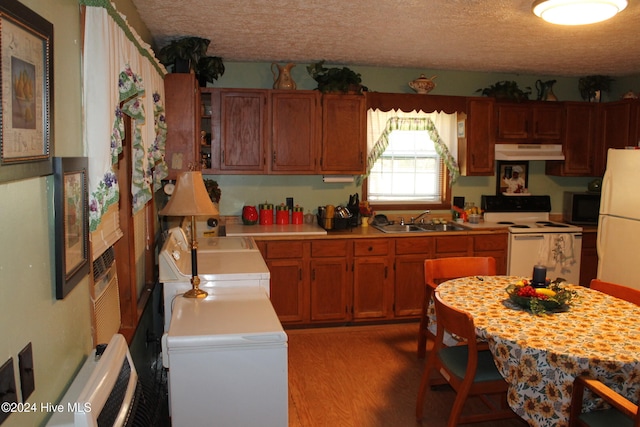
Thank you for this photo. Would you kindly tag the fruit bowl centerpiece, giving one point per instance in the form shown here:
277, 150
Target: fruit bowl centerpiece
554, 297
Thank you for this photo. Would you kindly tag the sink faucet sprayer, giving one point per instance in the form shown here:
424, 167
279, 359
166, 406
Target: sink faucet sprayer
413, 220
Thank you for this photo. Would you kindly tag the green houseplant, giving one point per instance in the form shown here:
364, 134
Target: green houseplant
591, 87
213, 190
189, 54
335, 79
506, 90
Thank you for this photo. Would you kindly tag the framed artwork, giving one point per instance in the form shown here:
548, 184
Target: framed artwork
513, 178
26, 81
71, 209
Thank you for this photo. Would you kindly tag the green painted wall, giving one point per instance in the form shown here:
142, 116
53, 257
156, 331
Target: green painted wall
58, 330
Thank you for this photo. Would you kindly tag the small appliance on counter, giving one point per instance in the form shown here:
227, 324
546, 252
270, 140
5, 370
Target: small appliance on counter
581, 208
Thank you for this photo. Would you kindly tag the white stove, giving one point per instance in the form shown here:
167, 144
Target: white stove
534, 239
530, 222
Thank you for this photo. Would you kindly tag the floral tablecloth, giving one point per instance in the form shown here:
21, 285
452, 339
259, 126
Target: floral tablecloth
540, 356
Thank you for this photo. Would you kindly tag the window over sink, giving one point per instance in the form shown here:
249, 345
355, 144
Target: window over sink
409, 169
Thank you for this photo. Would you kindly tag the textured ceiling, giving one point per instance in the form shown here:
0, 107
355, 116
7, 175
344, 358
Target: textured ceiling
473, 35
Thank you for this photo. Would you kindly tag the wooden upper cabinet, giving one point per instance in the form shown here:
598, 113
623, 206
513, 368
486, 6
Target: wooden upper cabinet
476, 148
579, 142
240, 131
182, 113
344, 137
296, 126
535, 122
617, 128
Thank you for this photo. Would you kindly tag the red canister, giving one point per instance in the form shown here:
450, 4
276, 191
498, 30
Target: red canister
297, 215
266, 214
282, 214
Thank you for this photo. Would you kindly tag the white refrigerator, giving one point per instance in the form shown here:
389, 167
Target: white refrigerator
618, 241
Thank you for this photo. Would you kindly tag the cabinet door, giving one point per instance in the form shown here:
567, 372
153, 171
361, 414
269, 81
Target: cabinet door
477, 148
494, 245
371, 288
241, 131
295, 131
344, 137
614, 131
409, 285
512, 122
579, 141
182, 113
330, 281
372, 284
588, 258
288, 290
547, 122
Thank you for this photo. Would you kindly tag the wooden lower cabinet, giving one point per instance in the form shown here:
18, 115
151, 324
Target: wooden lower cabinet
410, 254
588, 258
338, 281
372, 280
330, 281
289, 279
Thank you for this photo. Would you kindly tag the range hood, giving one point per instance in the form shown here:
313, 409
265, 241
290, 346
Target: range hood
529, 152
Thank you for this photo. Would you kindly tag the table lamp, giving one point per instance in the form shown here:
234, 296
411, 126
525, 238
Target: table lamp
190, 198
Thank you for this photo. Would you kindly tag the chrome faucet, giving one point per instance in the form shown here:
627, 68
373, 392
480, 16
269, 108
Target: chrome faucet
413, 220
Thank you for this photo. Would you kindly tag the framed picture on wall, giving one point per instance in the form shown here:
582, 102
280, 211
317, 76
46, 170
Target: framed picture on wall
71, 207
513, 178
26, 71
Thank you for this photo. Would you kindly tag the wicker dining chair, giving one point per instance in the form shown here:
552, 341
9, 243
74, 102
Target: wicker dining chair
441, 269
619, 291
621, 413
468, 370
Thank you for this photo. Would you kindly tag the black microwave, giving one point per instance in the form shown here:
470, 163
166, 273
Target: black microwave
581, 208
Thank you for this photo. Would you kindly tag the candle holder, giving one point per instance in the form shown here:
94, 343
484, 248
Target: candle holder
539, 279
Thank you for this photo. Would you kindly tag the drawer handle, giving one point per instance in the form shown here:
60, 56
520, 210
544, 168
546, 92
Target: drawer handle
370, 248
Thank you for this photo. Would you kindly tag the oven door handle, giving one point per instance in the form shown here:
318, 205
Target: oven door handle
528, 236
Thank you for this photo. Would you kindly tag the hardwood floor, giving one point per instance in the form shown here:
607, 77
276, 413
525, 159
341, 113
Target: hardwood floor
363, 376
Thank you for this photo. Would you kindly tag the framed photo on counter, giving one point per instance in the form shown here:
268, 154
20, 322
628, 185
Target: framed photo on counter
512, 178
71, 206
26, 71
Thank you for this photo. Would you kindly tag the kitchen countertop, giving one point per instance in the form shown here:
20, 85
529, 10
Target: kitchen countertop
306, 231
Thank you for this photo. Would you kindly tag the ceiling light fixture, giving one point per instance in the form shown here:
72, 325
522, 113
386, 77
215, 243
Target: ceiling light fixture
577, 12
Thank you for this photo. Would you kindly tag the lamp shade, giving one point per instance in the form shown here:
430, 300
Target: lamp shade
577, 12
190, 197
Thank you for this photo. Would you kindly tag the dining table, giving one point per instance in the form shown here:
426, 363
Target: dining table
539, 355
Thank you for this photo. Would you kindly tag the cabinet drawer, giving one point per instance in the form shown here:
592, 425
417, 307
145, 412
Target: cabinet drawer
490, 242
280, 250
329, 248
420, 245
452, 244
371, 247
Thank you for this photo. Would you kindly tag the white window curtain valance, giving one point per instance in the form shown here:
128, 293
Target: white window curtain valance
381, 123
119, 69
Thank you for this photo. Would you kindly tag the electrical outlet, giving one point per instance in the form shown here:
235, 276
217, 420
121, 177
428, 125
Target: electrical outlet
7, 388
27, 380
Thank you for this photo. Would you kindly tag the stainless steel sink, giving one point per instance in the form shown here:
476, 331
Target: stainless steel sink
397, 228
420, 228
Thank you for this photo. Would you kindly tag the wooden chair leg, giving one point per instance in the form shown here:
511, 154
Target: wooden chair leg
424, 384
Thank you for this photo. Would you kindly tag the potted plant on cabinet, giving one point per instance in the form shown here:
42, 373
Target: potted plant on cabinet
591, 87
188, 54
506, 90
335, 79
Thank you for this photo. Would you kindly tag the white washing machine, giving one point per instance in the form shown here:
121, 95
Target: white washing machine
223, 262
226, 353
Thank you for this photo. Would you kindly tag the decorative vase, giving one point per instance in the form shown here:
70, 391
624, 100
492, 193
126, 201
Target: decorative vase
283, 79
